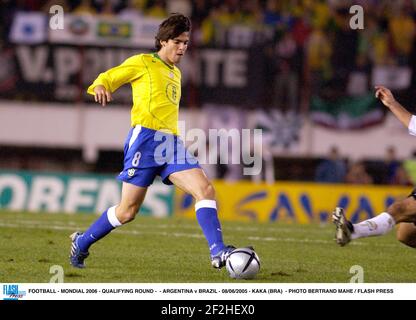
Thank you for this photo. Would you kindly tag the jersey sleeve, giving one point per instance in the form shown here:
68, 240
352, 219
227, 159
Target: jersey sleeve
131, 69
412, 126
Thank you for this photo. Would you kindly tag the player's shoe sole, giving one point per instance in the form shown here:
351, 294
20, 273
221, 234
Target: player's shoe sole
343, 227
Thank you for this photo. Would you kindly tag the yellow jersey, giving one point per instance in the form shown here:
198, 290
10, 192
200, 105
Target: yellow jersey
156, 89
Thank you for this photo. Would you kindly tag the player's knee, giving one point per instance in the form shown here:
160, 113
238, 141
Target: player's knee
397, 210
206, 192
127, 214
126, 218
406, 239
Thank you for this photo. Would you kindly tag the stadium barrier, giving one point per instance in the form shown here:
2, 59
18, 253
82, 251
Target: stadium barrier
86, 128
295, 202
239, 201
75, 193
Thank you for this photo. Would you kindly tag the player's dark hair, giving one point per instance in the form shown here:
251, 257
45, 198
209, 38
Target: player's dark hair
172, 27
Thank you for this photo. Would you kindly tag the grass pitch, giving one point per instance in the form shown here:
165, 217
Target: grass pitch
150, 250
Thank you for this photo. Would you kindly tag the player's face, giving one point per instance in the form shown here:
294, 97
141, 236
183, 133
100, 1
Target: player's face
176, 48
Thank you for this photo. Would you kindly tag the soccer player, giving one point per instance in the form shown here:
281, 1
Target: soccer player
152, 147
402, 212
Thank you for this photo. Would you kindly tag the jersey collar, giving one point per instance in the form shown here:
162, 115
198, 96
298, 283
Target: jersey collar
158, 57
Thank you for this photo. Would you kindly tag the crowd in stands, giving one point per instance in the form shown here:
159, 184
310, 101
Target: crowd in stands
336, 169
310, 47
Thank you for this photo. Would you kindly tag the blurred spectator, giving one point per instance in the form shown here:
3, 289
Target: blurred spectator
373, 42
180, 6
331, 170
200, 11
410, 167
301, 30
392, 164
402, 29
116, 5
157, 9
286, 79
345, 45
85, 8
271, 14
357, 174
6, 17
250, 13
133, 10
401, 177
318, 53
321, 13
63, 3
108, 9
214, 26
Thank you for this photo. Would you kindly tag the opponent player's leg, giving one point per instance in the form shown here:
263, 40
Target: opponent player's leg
195, 182
406, 234
400, 211
131, 199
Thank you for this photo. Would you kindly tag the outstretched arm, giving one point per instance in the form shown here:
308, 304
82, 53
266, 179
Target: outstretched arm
398, 110
109, 81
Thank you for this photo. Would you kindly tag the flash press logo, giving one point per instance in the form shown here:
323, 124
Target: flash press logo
11, 292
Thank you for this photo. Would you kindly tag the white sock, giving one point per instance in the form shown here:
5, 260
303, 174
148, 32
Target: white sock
112, 218
376, 226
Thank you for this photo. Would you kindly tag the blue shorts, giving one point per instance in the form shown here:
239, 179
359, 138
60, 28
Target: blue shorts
149, 153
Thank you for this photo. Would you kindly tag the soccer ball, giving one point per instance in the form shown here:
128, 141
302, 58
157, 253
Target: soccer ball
243, 263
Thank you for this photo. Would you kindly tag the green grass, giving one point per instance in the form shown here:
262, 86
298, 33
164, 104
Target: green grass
174, 251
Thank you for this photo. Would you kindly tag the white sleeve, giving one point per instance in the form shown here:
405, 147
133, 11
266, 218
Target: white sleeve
412, 126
